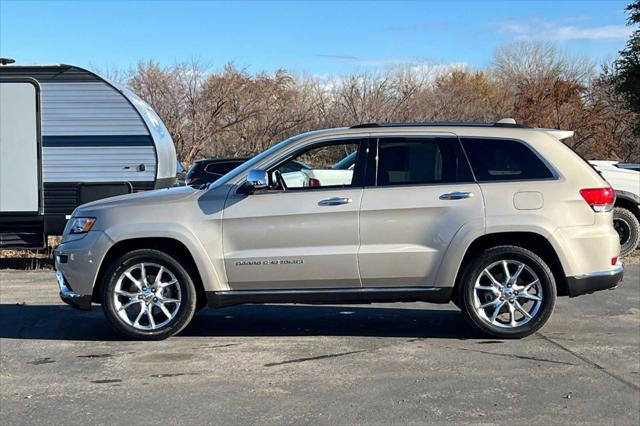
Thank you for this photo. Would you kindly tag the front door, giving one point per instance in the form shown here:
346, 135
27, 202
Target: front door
423, 193
302, 233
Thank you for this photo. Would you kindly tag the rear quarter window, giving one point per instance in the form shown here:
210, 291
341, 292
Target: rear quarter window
503, 160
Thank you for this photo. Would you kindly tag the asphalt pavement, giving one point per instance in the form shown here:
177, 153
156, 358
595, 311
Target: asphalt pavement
299, 364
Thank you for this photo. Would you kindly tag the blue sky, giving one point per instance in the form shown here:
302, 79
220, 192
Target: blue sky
317, 38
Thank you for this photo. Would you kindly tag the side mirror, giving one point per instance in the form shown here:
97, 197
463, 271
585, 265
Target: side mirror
257, 180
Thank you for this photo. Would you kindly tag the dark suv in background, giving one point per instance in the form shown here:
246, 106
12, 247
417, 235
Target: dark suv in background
211, 169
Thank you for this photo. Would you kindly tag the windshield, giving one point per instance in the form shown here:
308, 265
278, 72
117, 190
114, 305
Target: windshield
248, 165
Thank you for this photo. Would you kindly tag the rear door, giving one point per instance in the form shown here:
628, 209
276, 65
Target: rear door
19, 147
422, 194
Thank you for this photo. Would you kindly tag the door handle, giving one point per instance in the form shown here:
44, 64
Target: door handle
335, 201
456, 195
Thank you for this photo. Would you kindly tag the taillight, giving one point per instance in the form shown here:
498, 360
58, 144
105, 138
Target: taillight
600, 199
313, 182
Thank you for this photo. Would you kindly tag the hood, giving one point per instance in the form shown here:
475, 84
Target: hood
167, 195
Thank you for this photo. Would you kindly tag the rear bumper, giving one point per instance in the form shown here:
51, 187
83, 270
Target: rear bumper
71, 298
594, 281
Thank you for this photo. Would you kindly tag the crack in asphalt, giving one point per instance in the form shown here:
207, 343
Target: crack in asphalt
590, 363
96, 356
523, 357
313, 358
41, 361
216, 346
163, 375
106, 381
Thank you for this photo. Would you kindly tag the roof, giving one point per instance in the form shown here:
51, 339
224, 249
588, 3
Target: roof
46, 73
505, 123
500, 123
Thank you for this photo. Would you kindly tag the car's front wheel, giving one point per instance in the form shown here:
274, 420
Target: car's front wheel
148, 295
507, 292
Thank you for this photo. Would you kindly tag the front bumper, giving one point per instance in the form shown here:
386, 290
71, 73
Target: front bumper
595, 281
69, 297
77, 265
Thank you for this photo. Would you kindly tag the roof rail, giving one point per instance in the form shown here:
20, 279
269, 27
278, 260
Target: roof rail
509, 123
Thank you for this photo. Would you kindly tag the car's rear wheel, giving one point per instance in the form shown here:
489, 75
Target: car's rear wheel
148, 295
628, 228
507, 292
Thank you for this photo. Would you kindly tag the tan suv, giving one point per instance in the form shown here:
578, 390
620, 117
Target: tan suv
498, 218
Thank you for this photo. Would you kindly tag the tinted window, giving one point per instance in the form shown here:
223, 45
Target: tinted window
222, 168
629, 166
316, 168
195, 168
503, 159
404, 161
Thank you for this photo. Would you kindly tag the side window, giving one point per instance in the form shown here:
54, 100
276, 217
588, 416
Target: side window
408, 161
503, 159
330, 165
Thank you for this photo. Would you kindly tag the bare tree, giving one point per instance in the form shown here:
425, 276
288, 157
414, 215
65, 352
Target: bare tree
234, 113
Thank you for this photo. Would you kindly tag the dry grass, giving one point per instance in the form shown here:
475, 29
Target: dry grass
29, 259
632, 258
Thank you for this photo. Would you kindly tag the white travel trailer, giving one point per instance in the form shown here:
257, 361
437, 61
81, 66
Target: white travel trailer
67, 137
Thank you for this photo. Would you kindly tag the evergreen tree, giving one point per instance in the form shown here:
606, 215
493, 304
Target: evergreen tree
627, 79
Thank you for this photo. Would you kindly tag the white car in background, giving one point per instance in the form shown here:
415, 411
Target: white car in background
340, 174
625, 180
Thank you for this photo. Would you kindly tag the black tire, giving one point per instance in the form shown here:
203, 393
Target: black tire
184, 311
628, 228
473, 270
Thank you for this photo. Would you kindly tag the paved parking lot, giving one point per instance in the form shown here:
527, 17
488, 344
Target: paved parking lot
399, 363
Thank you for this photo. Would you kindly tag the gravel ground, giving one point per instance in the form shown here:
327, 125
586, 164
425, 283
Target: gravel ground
275, 364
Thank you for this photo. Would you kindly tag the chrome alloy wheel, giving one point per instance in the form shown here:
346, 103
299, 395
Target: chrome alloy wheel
147, 296
507, 294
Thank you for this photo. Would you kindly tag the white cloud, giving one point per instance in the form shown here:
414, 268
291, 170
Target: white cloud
536, 29
417, 65
376, 62
592, 33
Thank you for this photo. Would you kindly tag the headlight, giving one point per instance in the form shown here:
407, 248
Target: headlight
80, 225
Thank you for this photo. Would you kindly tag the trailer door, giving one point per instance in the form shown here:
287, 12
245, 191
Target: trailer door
19, 147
